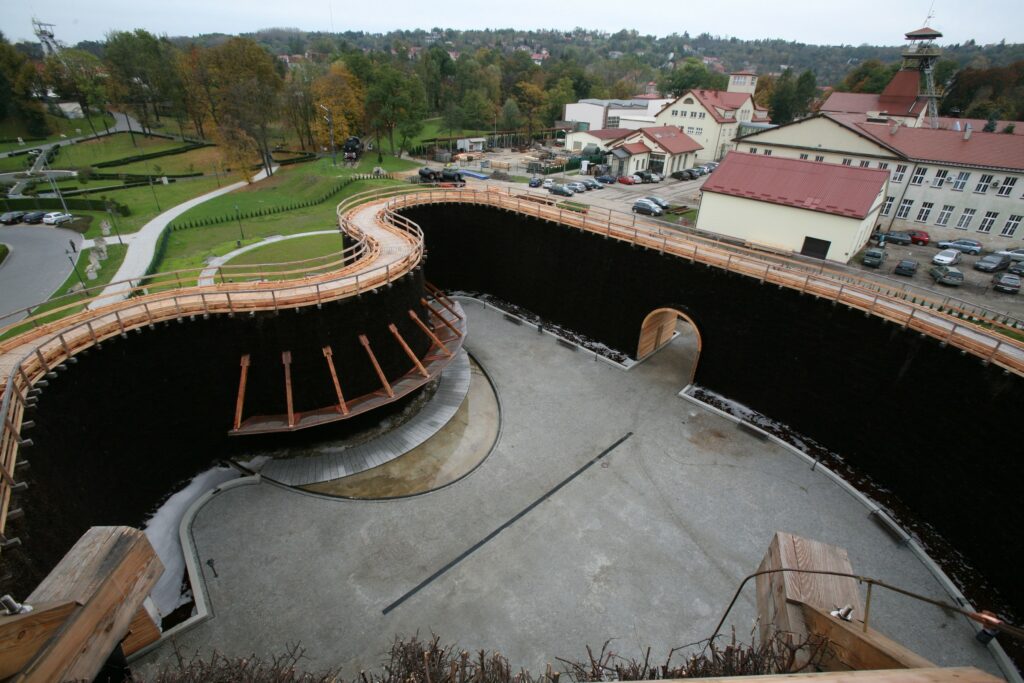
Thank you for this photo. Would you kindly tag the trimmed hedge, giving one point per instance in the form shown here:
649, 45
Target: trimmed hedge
202, 222
53, 204
153, 155
142, 176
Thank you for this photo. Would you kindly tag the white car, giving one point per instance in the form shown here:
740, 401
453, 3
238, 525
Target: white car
57, 217
1014, 254
548, 182
948, 257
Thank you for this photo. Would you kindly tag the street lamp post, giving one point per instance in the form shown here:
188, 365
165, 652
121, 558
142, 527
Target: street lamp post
77, 274
113, 223
330, 120
238, 217
153, 190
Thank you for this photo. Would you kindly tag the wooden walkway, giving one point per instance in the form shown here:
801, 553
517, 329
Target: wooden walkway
388, 246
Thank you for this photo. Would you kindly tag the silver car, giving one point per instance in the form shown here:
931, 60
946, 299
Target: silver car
948, 257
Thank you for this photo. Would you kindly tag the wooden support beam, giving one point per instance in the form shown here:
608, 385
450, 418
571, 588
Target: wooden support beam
440, 317
142, 631
441, 299
376, 366
412, 356
851, 647
430, 333
286, 359
240, 401
107, 575
329, 355
23, 635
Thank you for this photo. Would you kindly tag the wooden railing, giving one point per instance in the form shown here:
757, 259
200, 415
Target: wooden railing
27, 359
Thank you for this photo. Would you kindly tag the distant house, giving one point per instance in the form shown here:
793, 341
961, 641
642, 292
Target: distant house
634, 113
714, 117
900, 101
471, 144
656, 148
820, 210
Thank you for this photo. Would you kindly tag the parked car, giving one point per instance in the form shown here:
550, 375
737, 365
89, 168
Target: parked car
658, 177
892, 238
708, 168
560, 190
874, 257
947, 275
919, 237
577, 186
906, 267
648, 207
966, 246
1017, 268
12, 217
548, 183
699, 170
663, 203
1014, 254
712, 164
592, 184
606, 179
627, 179
33, 217
990, 263
645, 176
535, 182
1006, 282
56, 218
947, 257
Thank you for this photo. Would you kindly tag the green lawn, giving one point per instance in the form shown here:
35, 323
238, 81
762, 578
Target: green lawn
10, 129
21, 162
191, 248
108, 268
4, 251
203, 160
109, 148
143, 203
297, 249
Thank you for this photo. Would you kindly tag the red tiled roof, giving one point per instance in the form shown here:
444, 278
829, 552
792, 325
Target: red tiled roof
829, 188
672, 139
949, 123
717, 99
745, 72
610, 133
851, 102
924, 32
636, 148
948, 146
901, 94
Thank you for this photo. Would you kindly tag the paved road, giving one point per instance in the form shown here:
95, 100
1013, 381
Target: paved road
36, 266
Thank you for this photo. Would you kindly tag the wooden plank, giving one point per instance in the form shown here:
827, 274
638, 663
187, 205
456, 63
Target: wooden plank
142, 631
376, 366
329, 355
405, 347
429, 333
286, 359
22, 635
240, 402
853, 648
110, 571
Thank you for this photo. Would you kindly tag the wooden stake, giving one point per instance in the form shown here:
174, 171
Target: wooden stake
376, 366
240, 402
342, 406
408, 351
286, 358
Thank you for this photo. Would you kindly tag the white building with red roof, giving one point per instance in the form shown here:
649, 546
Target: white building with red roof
597, 114
663, 149
713, 117
792, 206
948, 183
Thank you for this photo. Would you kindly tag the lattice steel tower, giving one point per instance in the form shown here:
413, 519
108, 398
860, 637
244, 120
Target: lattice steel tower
44, 32
921, 54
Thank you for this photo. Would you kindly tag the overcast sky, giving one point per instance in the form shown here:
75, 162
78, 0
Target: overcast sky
879, 22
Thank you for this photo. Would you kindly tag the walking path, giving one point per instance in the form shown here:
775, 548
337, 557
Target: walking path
142, 246
206, 277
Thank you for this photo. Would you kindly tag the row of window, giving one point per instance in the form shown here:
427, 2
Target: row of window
820, 159
693, 114
942, 176
690, 130
963, 223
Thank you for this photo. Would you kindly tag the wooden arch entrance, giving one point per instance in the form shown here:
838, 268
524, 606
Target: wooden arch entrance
658, 329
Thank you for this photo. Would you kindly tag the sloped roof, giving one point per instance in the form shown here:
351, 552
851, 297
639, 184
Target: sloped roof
851, 102
829, 188
713, 100
609, 133
900, 95
994, 150
950, 122
636, 148
924, 32
672, 139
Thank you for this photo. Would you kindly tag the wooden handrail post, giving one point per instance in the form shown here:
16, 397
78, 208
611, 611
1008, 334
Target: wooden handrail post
286, 359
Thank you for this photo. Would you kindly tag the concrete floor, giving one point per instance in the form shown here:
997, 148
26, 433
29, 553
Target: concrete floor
646, 547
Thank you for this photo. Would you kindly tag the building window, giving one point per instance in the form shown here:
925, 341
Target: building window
988, 221
947, 211
688, 100
767, 152
926, 210
804, 157
675, 112
901, 170
701, 115
883, 165
965, 219
847, 162
700, 131
887, 206
919, 174
753, 150
1012, 223
1007, 187
961, 181
613, 122
865, 164
940, 178
689, 130
983, 184
904, 209
819, 158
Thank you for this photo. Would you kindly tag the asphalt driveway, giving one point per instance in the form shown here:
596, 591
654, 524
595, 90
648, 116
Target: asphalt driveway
36, 266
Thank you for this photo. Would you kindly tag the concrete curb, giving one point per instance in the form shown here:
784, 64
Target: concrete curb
1002, 660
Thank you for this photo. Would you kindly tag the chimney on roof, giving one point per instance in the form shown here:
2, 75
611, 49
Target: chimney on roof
895, 127
967, 131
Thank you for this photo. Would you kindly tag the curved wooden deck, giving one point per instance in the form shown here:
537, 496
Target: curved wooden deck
388, 246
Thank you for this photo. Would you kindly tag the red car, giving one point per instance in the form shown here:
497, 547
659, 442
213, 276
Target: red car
626, 179
919, 237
